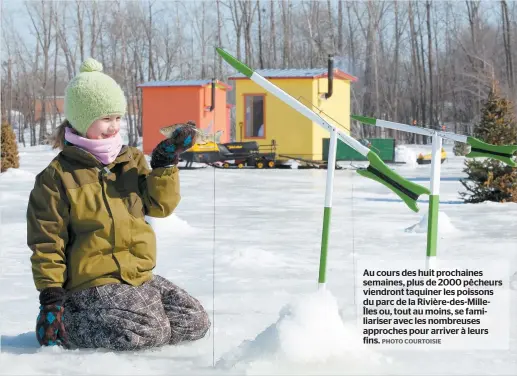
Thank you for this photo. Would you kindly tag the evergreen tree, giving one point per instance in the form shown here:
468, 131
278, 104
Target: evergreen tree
491, 180
9, 148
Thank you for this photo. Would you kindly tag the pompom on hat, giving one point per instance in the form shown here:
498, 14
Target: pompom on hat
92, 95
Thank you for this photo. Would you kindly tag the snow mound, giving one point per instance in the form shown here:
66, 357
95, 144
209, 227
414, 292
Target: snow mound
405, 154
17, 174
309, 333
171, 225
445, 225
252, 257
294, 164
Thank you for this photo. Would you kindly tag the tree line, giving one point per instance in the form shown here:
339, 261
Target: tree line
423, 62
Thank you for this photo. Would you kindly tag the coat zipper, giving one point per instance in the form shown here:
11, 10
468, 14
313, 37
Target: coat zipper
102, 176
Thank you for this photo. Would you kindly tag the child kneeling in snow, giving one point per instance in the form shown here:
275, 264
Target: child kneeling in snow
93, 251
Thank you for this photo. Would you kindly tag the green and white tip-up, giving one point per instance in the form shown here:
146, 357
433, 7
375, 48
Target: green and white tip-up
479, 149
377, 170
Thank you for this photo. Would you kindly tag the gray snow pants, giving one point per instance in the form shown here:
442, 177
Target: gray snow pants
124, 317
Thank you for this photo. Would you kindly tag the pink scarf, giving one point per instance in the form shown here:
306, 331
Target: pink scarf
105, 150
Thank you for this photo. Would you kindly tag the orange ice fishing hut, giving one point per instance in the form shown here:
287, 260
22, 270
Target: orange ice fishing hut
168, 102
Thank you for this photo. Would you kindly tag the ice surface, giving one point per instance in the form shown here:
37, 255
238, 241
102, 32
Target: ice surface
15, 174
246, 243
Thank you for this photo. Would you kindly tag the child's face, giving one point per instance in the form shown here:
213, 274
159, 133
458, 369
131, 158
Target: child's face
104, 128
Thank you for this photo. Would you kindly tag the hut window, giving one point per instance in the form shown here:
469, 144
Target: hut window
254, 122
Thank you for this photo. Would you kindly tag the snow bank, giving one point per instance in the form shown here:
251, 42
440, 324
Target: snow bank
405, 154
308, 333
171, 225
294, 164
445, 225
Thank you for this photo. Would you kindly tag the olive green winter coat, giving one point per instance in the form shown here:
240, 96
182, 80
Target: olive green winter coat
86, 224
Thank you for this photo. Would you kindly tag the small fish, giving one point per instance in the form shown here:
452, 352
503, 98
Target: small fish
169, 130
202, 136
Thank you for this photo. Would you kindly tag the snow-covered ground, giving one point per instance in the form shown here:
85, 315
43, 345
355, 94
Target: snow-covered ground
247, 244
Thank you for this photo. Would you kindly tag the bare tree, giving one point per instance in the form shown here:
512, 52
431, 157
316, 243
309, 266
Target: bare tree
7, 87
62, 33
396, 62
259, 12
421, 55
309, 13
331, 23
286, 21
507, 44
351, 35
237, 19
95, 28
204, 36
415, 60
124, 67
43, 29
248, 9
80, 25
219, 38
273, 33
473, 15
149, 30
55, 109
340, 36
371, 103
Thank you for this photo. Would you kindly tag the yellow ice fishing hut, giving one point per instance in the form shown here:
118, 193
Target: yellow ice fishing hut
262, 117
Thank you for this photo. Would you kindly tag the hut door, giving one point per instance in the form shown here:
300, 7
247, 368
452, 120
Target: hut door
254, 124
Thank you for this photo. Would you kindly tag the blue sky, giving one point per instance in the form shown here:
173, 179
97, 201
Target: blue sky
15, 10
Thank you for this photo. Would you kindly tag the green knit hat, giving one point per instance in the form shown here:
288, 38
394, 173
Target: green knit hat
92, 95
